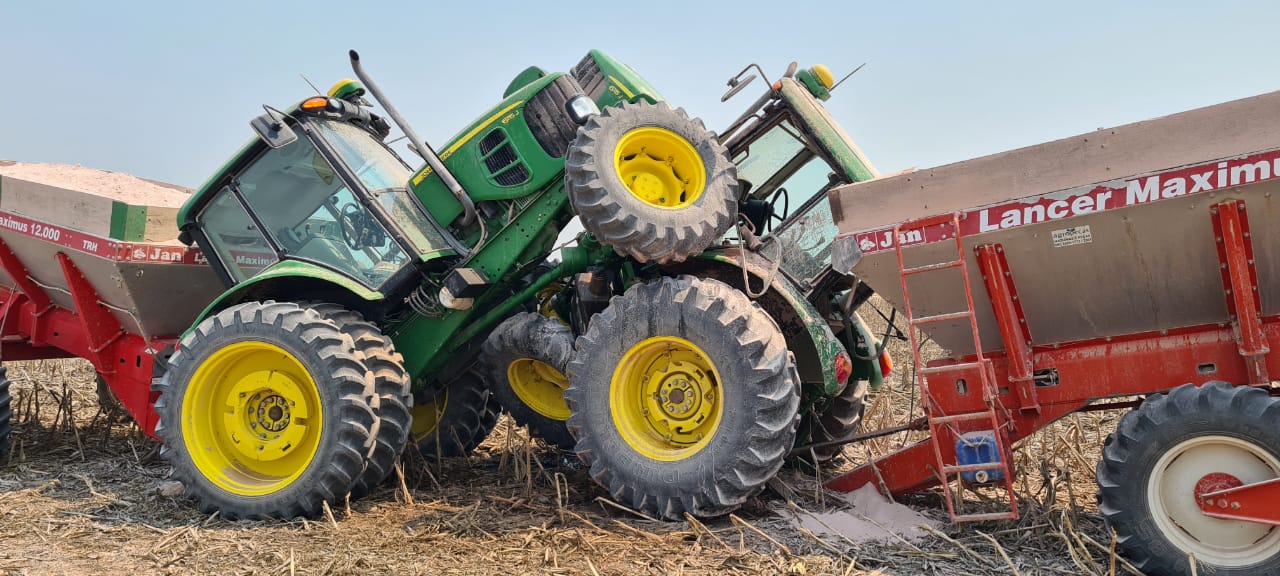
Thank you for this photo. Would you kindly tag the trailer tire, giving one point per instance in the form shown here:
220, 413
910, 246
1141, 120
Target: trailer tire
456, 420
837, 419
391, 384
650, 182
6, 414
311, 391
525, 358
735, 415
1163, 451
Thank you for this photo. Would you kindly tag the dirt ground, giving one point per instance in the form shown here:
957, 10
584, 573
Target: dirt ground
80, 493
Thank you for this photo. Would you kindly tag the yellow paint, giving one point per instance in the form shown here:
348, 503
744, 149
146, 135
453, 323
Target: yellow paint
464, 139
333, 90
622, 86
252, 418
824, 75
426, 417
666, 398
540, 386
660, 167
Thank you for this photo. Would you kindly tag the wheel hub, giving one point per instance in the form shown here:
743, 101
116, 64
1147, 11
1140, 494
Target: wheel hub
540, 386
676, 390
1180, 478
272, 414
660, 167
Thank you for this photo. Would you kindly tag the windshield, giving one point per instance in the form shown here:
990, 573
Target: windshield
780, 168
386, 178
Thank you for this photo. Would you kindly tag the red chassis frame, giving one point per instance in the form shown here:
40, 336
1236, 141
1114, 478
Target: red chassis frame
1135, 364
33, 327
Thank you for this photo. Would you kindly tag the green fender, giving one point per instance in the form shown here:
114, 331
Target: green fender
295, 281
825, 346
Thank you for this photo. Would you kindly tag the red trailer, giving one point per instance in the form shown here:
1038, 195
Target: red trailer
1133, 261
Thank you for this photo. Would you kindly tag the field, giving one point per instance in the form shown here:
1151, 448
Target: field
84, 492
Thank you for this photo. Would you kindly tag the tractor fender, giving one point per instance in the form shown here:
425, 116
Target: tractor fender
296, 281
808, 334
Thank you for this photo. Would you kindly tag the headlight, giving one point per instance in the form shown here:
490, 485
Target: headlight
845, 254
580, 108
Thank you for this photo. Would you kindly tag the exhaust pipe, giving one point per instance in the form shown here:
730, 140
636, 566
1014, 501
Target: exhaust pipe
418, 143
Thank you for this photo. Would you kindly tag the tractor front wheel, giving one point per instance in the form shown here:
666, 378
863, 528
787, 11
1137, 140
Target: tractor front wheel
651, 183
6, 415
684, 397
455, 420
526, 357
1168, 452
264, 412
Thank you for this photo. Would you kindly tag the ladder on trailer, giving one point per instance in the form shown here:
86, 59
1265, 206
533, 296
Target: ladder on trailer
946, 427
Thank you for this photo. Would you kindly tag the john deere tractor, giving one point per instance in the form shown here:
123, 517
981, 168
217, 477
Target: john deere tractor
360, 293
684, 385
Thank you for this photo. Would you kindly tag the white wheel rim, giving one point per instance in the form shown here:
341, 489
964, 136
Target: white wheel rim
1171, 499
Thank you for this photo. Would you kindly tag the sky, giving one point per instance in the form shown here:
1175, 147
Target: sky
165, 90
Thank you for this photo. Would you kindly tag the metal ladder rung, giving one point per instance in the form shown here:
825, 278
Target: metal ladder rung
932, 267
973, 467
949, 368
1010, 515
961, 417
941, 317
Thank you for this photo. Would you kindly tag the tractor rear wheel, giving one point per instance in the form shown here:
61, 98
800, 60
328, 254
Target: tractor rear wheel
391, 384
6, 414
525, 358
455, 420
650, 182
684, 397
264, 412
1175, 447
836, 419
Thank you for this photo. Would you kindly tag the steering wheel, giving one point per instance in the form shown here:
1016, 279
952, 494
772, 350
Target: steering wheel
354, 224
782, 195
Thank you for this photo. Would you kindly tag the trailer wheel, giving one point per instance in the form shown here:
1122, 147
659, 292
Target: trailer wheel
264, 412
836, 419
684, 397
456, 419
6, 414
390, 383
525, 358
651, 182
1166, 450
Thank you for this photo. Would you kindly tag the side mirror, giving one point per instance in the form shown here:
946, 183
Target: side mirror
271, 128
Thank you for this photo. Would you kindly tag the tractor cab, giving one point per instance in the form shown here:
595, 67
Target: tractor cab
318, 188
789, 153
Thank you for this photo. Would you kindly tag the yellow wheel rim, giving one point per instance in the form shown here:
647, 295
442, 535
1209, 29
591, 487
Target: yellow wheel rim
660, 167
252, 418
540, 386
426, 417
666, 398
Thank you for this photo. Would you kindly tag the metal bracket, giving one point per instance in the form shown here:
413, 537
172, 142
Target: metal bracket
1012, 322
14, 268
101, 328
1240, 282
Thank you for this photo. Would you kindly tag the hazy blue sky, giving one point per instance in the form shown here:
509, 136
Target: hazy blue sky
166, 89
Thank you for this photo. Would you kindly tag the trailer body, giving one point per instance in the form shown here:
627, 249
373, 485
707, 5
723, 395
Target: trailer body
1125, 262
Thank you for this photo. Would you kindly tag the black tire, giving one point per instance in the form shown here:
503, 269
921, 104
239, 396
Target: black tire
836, 419
757, 388
6, 415
1151, 441
638, 228
392, 386
516, 345
588, 74
458, 419
348, 425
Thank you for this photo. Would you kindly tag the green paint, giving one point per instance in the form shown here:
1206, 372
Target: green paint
281, 281
128, 222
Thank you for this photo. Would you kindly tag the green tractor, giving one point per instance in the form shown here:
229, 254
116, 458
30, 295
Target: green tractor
684, 385
360, 294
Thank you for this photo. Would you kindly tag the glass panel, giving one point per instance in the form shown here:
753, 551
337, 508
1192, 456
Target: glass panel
382, 172
238, 242
766, 156
311, 213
